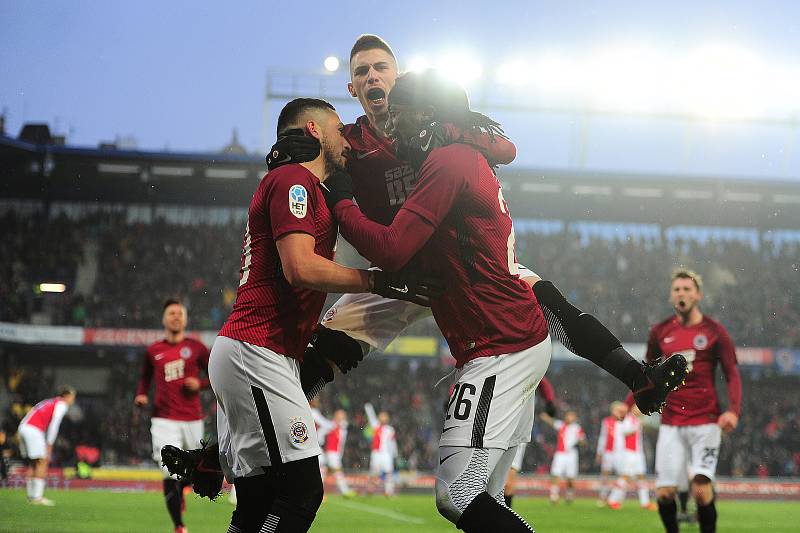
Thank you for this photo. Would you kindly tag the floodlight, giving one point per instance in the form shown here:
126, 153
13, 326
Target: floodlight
418, 63
461, 68
331, 63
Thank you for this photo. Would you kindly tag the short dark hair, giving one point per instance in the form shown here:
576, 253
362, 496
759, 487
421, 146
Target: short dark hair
171, 301
368, 41
292, 111
64, 390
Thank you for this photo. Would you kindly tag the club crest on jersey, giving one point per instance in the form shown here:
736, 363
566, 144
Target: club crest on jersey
186, 352
298, 432
329, 314
298, 201
700, 342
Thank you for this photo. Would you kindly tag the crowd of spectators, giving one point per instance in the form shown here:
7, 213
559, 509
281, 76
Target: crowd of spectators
752, 290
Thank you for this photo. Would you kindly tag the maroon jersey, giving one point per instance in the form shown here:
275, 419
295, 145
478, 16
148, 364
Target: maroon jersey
382, 182
703, 345
458, 221
268, 311
171, 364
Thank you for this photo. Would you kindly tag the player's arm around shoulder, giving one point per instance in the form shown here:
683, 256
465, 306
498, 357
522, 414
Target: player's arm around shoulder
294, 210
303, 268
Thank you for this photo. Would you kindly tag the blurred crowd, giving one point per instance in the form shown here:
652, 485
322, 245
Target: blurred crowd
752, 290
131, 267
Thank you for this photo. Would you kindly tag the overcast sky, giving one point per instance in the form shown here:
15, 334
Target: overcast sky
182, 75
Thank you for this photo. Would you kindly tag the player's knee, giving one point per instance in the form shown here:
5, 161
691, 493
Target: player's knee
444, 502
702, 489
665, 494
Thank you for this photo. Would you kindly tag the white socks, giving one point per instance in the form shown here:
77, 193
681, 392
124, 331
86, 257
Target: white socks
618, 493
341, 482
644, 494
35, 487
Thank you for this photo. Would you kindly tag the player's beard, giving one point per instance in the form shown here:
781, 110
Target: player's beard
333, 161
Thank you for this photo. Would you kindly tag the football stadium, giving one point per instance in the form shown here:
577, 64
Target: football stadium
526, 266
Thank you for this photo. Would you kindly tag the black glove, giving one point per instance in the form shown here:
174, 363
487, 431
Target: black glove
550, 409
200, 467
407, 285
293, 149
337, 187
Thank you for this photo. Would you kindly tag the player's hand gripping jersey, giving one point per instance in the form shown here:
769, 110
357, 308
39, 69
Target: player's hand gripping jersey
458, 221
703, 346
382, 182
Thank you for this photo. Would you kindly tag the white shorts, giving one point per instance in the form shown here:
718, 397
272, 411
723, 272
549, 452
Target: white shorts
333, 460
519, 457
32, 442
492, 401
565, 464
373, 319
607, 462
630, 463
263, 417
181, 433
380, 463
679, 447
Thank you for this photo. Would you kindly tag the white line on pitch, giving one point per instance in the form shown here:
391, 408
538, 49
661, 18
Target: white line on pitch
381, 511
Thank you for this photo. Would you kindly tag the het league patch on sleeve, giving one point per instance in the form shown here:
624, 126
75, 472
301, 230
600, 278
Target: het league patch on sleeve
298, 201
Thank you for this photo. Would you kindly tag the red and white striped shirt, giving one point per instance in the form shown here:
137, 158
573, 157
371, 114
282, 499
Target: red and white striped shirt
383, 439
334, 442
569, 435
46, 416
605, 442
630, 430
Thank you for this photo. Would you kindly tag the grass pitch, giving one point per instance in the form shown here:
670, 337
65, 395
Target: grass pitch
110, 512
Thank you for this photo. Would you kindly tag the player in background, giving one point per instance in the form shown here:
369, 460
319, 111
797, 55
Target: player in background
384, 451
630, 462
323, 426
335, 439
174, 364
692, 422
570, 435
37, 433
548, 396
605, 448
374, 322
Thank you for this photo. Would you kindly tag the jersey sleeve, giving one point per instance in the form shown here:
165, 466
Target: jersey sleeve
545, 391
653, 349
290, 204
371, 416
146, 375
557, 424
55, 423
727, 356
601, 439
